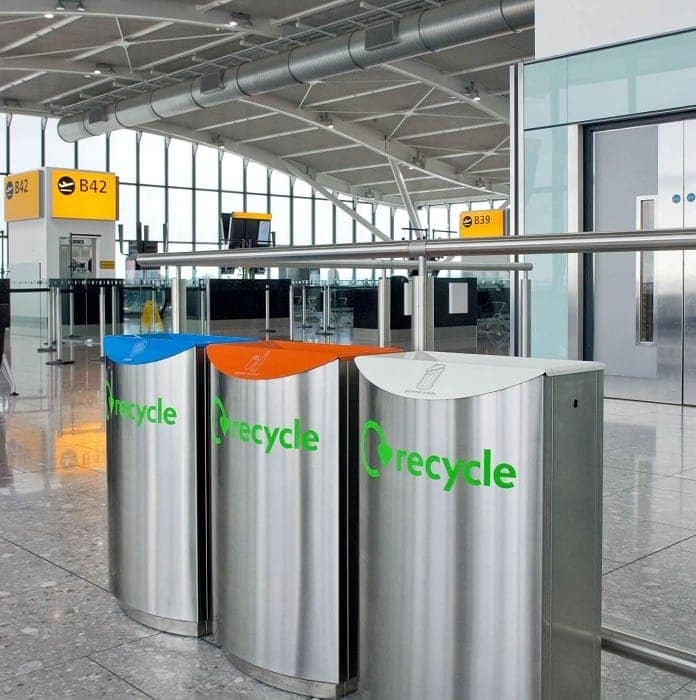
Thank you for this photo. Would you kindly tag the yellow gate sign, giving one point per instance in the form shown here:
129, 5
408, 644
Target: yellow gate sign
82, 194
23, 196
487, 223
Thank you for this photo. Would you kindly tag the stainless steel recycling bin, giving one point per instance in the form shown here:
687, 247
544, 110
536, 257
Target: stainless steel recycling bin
157, 478
480, 527
284, 480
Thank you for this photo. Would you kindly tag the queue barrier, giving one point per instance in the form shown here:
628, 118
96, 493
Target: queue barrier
284, 486
157, 478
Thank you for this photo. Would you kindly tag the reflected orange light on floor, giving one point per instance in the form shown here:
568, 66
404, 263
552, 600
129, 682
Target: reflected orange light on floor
84, 446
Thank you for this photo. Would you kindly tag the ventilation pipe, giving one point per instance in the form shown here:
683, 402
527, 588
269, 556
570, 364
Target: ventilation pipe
431, 30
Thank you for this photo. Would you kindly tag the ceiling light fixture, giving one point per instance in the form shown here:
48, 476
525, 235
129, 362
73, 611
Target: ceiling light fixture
326, 120
49, 15
80, 6
97, 71
59, 6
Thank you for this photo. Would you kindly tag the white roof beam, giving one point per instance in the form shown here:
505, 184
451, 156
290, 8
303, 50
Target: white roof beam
368, 138
496, 107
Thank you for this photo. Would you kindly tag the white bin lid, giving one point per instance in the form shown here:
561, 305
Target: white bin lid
450, 375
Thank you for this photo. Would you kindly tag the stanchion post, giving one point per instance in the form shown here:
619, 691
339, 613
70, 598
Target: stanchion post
152, 309
304, 307
268, 330
50, 344
115, 311
201, 305
71, 314
102, 320
58, 325
291, 311
176, 303
384, 310
207, 307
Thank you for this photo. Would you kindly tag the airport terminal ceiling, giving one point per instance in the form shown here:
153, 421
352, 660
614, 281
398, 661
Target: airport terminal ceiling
439, 118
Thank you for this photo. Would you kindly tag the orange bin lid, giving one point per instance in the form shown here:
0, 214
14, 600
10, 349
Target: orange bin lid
273, 359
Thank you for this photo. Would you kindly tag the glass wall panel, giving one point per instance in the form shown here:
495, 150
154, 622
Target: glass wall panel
302, 221
4, 165
280, 209
232, 172
232, 201
91, 153
25, 143
152, 159
439, 222
180, 216
383, 219
401, 224
122, 154
257, 179
127, 210
152, 210
323, 222
207, 217
207, 159
180, 163
59, 153
280, 183
546, 205
257, 203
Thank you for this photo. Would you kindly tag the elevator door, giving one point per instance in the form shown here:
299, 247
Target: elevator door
645, 303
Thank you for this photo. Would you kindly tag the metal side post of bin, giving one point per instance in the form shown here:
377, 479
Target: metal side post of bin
284, 487
157, 480
480, 527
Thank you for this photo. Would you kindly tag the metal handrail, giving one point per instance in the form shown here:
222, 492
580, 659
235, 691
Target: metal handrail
670, 239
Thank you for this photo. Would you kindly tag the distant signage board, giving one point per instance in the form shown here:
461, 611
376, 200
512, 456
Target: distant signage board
23, 196
487, 223
82, 194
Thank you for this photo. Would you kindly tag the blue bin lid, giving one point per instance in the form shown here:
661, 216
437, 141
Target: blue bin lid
152, 347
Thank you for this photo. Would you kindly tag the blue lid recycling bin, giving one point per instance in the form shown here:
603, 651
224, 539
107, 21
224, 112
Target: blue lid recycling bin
156, 427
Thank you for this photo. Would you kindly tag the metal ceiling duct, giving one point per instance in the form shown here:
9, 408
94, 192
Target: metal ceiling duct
431, 30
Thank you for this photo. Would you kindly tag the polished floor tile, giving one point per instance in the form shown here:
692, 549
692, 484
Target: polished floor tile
81, 678
176, 667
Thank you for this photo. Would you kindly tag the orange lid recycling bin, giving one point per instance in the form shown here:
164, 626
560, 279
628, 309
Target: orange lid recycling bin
284, 500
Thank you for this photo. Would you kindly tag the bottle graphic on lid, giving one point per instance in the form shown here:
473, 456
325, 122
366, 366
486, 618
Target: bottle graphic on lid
252, 366
432, 374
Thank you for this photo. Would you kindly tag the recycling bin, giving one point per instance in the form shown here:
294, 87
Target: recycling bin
480, 527
157, 478
284, 486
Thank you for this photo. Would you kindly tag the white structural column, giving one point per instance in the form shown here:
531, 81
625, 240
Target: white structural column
405, 196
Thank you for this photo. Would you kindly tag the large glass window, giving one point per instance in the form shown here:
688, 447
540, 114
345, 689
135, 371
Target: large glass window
180, 163
25, 143
302, 221
127, 210
152, 159
180, 215
207, 217
280, 223
122, 154
323, 227
232, 172
257, 179
207, 168
59, 153
91, 153
152, 210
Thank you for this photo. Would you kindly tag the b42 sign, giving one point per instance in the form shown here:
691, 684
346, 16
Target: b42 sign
80, 194
22, 196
